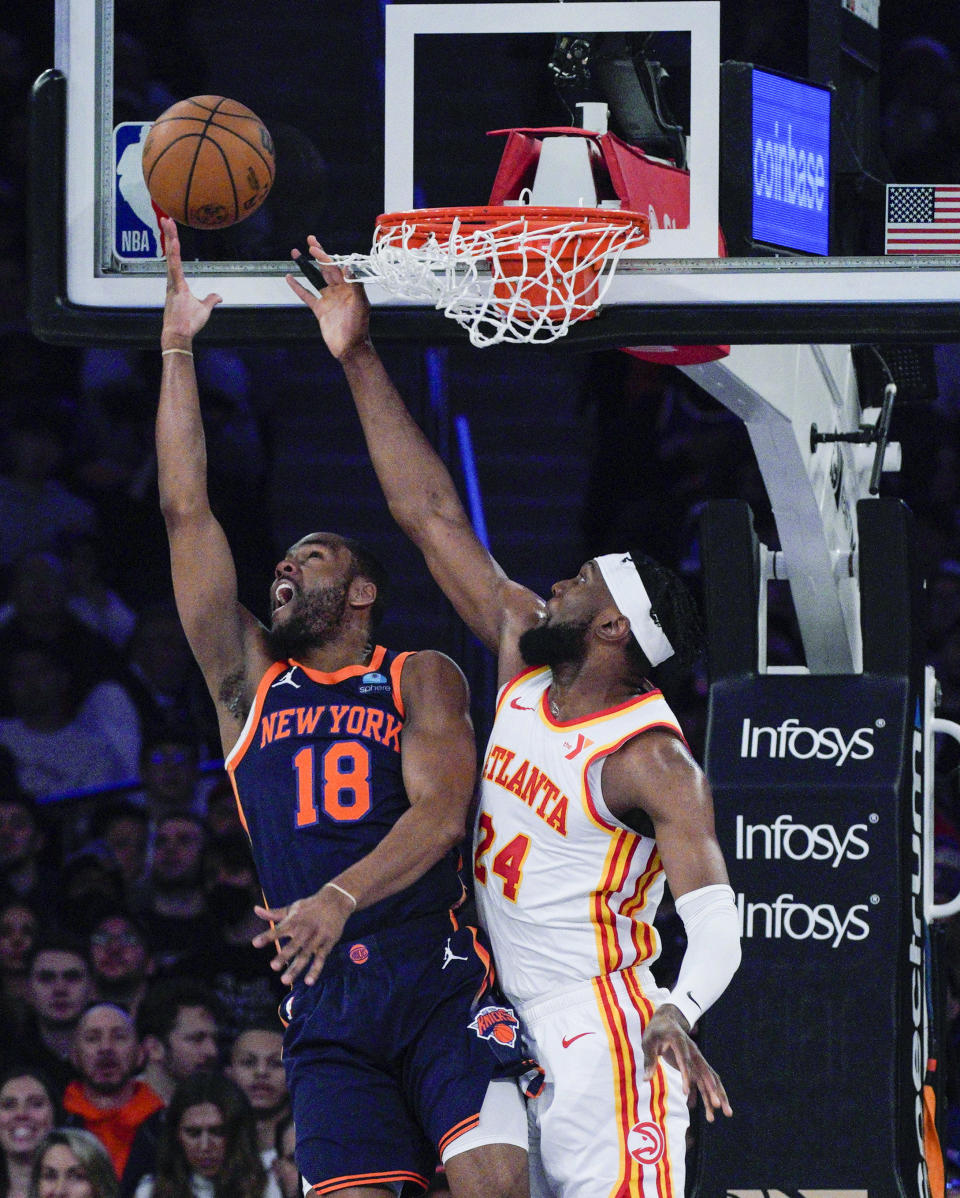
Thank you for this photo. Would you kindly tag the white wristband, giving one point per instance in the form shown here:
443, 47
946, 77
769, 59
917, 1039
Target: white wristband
713, 949
340, 889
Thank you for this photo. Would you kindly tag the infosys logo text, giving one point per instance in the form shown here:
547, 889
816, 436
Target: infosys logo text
787, 919
782, 838
801, 743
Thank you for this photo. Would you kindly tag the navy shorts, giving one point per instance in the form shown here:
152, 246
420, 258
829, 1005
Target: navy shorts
382, 1065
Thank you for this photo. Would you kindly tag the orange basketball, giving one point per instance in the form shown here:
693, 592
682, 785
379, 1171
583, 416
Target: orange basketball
208, 162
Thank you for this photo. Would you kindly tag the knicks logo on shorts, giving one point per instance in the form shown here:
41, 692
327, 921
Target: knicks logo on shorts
358, 953
496, 1023
646, 1143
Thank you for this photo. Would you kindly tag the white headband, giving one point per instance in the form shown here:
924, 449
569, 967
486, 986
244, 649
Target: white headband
630, 595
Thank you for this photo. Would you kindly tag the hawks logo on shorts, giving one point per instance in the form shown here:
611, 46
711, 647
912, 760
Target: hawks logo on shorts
646, 1143
496, 1023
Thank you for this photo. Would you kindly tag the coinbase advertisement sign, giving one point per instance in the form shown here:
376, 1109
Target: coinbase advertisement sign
791, 163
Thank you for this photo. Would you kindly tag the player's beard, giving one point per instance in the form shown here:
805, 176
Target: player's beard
554, 644
315, 621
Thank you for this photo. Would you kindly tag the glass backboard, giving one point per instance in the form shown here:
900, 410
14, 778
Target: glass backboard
377, 107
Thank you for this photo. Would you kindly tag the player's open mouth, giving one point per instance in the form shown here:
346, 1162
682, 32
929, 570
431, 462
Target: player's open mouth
282, 595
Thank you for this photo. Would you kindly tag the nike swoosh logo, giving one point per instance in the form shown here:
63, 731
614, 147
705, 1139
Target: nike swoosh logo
567, 1042
694, 1001
519, 706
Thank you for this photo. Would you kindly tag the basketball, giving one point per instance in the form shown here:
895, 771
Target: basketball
208, 162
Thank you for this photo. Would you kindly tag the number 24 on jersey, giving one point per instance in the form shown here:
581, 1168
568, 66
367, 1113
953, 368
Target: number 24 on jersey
507, 863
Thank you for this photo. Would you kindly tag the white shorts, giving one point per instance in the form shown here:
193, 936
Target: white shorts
599, 1130
503, 1120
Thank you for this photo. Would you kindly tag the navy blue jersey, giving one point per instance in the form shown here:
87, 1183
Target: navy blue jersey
318, 781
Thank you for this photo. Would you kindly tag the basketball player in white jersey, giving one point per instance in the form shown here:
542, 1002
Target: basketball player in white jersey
590, 801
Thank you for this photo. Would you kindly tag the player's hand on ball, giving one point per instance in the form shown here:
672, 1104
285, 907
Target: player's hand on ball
666, 1036
304, 933
342, 309
183, 314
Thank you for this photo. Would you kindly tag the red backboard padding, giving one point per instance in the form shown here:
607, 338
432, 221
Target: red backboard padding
620, 171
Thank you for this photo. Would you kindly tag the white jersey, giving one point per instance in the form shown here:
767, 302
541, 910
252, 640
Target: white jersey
566, 891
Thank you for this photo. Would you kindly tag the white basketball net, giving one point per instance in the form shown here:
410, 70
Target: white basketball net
516, 281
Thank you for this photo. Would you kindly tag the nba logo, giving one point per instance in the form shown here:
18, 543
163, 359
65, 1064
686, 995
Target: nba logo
136, 224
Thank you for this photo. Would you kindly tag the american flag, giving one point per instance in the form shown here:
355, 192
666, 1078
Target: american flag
923, 218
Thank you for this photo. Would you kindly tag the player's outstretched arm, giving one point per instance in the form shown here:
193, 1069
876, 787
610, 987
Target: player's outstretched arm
417, 485
204, 577
439, 768
656, 774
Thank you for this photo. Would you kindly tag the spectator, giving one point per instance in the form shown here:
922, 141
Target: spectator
177, 1024
34, 506
29, 1109
249, 992
60, 988
91, 886
256, 1065
107, 1097
115, 448
166, 685
121, 960
19, 926
58, 743
22, 841
38, 615
91, 599
223, 815
284, 1166
174, 909
123, 827
209, 1146
118, 469
72, 1163
170, 773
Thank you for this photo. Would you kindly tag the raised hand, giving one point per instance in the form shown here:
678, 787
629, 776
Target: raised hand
341, 308
666, 1036
183, 314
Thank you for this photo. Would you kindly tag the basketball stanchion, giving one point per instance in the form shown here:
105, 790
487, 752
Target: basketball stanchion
505, 273
823, 790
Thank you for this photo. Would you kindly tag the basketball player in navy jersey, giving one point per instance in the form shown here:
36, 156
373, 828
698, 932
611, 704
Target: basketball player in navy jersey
590, 801
353, 768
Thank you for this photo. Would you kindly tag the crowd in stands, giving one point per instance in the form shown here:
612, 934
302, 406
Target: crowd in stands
140, 1054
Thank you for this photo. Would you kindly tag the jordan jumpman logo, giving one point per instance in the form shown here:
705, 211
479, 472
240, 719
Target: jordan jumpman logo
449, 955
